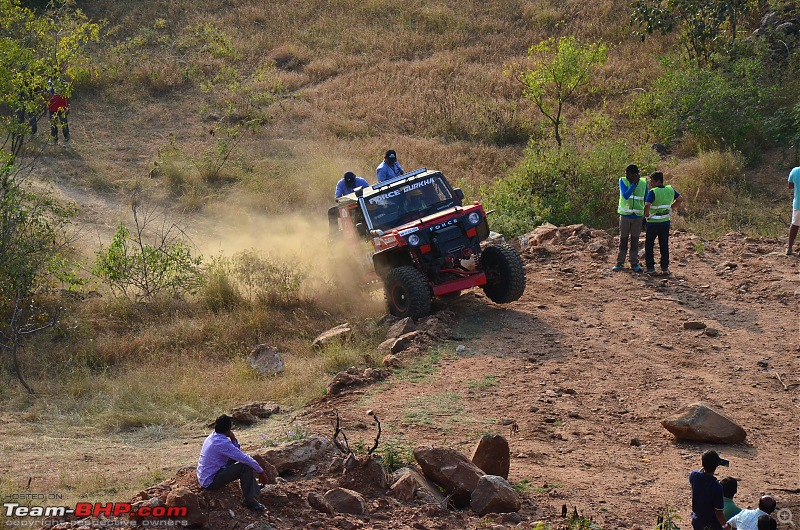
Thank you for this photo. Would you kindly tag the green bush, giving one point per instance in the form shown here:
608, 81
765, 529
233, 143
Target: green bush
563, 186
721, 107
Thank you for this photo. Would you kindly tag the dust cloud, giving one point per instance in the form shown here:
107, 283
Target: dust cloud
335, 270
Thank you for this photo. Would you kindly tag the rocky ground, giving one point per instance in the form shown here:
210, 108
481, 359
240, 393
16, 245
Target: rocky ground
577, 376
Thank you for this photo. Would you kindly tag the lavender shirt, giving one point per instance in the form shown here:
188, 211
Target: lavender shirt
214, 455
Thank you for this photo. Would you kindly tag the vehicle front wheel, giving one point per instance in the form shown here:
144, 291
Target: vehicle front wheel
407, 293
505, 274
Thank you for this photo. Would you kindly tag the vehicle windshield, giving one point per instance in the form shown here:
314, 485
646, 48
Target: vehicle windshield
409, 201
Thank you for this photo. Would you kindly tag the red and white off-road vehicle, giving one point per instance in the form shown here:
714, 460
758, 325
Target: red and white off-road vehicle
422, 242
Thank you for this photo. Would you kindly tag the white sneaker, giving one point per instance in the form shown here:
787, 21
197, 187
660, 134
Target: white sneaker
66, 144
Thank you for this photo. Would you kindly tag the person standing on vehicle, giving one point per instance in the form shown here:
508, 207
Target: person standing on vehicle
349, 183
632, 191
58, 110
658, 206
389, 168
794, 184
707, 500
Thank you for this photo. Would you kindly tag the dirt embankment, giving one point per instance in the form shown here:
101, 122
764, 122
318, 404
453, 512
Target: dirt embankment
578, 375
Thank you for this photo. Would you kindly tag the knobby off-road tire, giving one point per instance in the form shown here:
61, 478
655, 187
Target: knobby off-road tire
407, 293
505, 274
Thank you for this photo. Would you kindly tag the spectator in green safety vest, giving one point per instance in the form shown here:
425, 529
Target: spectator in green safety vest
658, 206
632, 191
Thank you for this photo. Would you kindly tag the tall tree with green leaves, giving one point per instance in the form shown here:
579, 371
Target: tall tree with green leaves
35, 48
704, 26
561, 68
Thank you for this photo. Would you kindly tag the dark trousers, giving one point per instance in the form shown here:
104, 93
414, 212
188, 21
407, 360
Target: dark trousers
653, 231
233, 471
700, 525
57, 118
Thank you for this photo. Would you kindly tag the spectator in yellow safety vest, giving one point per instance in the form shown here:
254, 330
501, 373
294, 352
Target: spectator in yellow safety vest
632, 191
658, 206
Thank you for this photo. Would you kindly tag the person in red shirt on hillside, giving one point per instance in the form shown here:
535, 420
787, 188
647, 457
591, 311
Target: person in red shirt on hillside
58, 110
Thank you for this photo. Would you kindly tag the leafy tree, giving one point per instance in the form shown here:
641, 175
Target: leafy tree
34, 48
704, 26
560, 69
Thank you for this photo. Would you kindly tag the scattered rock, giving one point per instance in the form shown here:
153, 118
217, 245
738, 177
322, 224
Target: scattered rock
451, 470
340, 333
494, 494
712, 332
635, 442
346, 501
412, 485
699, 422
270, 470
265, 360
183, 498
365, 475
763, 363
386, 346
243, 418
300, 454
492, 456
341, 381
400, 328
319, 503
404, 342
460, 349
392, 361
694, 324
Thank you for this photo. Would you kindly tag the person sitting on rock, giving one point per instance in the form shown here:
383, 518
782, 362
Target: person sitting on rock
729, 488
748, 519
222, 461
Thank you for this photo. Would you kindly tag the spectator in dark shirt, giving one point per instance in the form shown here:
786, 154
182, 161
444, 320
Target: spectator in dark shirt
707, 501
348, 184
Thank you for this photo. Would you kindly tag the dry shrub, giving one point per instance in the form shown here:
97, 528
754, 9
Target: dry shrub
159, 77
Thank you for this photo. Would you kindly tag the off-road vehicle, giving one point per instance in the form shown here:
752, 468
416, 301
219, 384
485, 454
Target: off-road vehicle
422, 242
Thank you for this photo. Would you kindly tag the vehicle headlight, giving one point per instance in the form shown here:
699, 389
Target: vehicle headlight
413, 240
474, 218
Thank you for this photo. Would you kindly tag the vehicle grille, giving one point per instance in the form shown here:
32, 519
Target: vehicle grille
449, 240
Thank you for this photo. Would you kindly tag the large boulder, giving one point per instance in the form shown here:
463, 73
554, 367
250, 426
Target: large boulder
265, 360
298, 455
346, 501
451, 470
494, 494
184, 498
404, 342
700, 423
492, 455
339, 333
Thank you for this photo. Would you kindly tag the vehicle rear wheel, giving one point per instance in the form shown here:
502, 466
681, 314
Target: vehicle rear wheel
407, 293
505, 274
